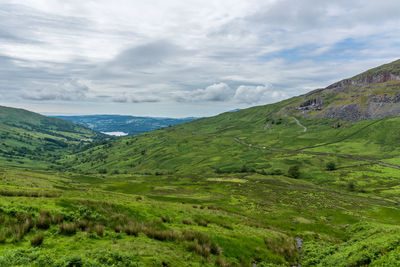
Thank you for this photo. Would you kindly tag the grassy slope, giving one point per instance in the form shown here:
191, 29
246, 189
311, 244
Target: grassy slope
30, 139
249, 217
226, 179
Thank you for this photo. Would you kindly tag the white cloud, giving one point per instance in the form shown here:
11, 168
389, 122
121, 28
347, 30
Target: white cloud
215, 92
71, 90
133, 52
257, 94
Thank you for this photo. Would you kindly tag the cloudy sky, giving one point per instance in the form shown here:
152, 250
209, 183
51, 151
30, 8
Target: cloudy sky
184, 58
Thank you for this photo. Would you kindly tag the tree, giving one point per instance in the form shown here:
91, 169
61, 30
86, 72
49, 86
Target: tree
331, 166
294, 172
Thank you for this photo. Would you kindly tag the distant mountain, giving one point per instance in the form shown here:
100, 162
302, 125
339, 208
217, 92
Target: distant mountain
120, 125
27, 138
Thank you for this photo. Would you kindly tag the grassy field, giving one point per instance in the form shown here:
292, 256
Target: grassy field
56, 219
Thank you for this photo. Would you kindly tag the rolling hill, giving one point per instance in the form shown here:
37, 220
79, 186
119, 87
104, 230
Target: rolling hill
129, 125
28, 138
295, 182
255, 138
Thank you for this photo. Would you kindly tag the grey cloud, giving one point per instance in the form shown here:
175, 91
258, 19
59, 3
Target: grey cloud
215, 92
71, 90
149, 54
124, 98
231, 55
26, 24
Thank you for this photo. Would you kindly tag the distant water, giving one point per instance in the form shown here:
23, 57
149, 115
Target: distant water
115, 133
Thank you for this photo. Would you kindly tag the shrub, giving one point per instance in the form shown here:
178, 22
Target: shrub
330, 166
294, 172
37, 240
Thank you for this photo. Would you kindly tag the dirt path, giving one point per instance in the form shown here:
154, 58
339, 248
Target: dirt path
289, 151
301, 125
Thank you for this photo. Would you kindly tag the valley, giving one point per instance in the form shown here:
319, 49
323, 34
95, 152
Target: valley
237, 189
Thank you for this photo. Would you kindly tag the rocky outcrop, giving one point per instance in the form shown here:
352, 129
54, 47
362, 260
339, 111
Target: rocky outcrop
349, 112
363, 80
312, 104
377, 106
372, 94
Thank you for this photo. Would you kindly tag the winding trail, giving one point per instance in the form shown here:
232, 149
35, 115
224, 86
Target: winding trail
301, 125
290, 151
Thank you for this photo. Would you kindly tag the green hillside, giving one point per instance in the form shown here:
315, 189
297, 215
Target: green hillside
273, 185
30, 139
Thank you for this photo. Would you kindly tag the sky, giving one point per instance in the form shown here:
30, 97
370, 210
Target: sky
184, 58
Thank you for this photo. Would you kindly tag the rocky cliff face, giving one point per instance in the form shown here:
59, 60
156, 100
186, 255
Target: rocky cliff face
369, 95
365, 80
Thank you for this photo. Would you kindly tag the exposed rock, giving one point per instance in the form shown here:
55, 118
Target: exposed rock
365, 80
311, 104
349, 112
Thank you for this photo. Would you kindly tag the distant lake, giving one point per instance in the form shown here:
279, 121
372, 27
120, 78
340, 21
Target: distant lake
115, 133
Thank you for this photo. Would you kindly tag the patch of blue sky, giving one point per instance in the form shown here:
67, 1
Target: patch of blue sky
346, 49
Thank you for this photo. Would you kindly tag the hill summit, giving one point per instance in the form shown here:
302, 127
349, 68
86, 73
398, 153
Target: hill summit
372, 94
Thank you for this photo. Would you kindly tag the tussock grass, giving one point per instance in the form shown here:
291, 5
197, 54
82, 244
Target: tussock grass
37, 240
68, 228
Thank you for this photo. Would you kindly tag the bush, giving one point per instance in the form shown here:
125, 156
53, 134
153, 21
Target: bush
294, 172
331, 166
37, 240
